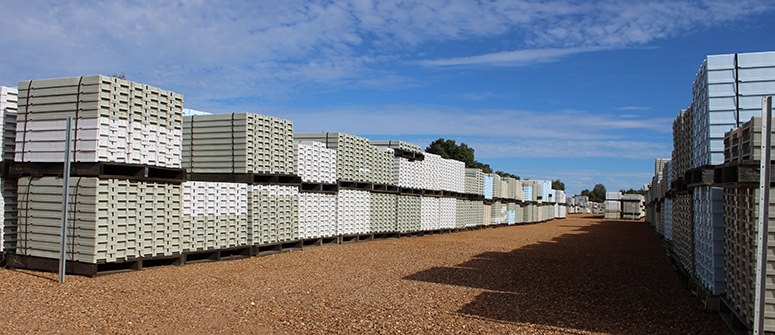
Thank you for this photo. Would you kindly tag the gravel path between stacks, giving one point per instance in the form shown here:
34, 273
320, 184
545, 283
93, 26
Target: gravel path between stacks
580, 275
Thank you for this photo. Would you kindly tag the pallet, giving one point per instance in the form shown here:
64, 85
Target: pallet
384, 188
319, 188
102, 170
386, 235
709, 301
410, 155
215, 255
247, 178
354, 185
320, 241
470, 196
734, 322
278, 247
410, 234
409, 191
432, 193
700, 176
343, 239
741, 173
678, 186
91, 270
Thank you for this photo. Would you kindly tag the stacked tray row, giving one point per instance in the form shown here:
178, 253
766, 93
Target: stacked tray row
273, 214
215, 215
315, 163
357, 160
469, 213
317, 215
115, 120
8, 105
443, 174
110, 219
238, 143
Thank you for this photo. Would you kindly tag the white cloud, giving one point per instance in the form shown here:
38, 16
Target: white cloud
266, 49
510, 58
423, 120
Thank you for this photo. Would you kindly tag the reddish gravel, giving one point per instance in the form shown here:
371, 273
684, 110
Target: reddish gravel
573, 276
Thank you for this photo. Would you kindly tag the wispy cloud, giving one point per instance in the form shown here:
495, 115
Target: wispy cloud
634, 108
510, 58
496, 133
456, 121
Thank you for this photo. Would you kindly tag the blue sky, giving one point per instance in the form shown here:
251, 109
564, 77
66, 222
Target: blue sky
583, 91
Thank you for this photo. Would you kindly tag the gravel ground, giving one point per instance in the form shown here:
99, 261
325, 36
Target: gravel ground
573, 276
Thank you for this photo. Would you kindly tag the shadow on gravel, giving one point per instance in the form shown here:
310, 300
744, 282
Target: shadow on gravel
610, 277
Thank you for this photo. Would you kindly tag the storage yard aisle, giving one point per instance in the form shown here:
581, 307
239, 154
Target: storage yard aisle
575, 276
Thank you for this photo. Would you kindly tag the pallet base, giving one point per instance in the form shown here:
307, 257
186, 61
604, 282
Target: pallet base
210, 255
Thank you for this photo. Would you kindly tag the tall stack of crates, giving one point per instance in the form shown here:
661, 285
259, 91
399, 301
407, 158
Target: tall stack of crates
495, 190
683, 230
447, 213
511, 213
214, 215
632, 206
115, 120
317, 215
273, 214
474, 181
355, 156
408, 173
109, 220
112, 218
709, 237
238, 143
682, 212
486, 215
409, 215
8, 103
488, 185
741, 215
726, 92
382, 165
561, 206
383, 212
529, 213
527, 190
469, 213
315, 163
666, 213
499, 213
443, 174
353, 212
429, 215
546, 191
613, 205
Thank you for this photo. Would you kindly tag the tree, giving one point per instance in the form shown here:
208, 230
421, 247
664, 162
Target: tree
506, 174
598, 193
558, 185
585, 193
450, 150
634, 191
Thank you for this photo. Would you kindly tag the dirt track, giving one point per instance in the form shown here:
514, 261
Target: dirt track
573, 276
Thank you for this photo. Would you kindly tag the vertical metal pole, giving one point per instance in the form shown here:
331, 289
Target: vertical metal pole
764, 213
65, 194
